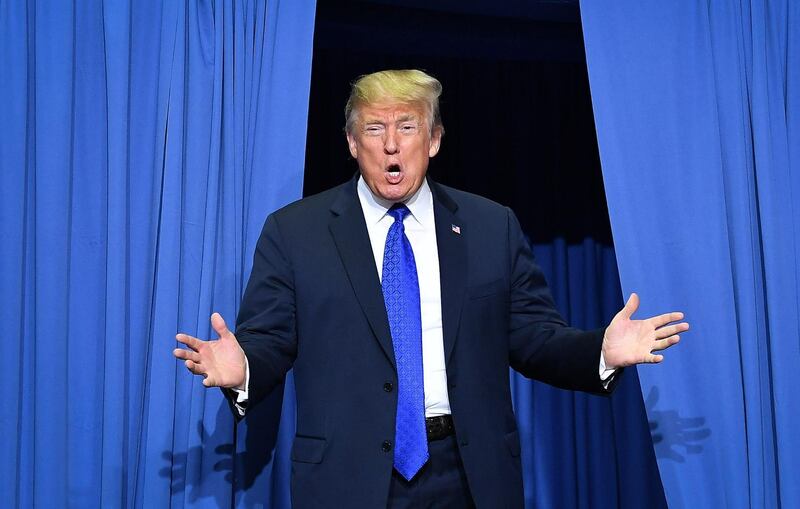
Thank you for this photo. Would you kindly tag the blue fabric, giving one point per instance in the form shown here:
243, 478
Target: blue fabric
141, 146
581, 450
400, 287
698, 116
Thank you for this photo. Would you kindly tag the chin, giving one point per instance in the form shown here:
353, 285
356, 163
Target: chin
393, 197
395, 194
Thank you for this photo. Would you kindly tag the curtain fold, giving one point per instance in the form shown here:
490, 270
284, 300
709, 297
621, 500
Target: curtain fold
697, 108
582, 450
142, 145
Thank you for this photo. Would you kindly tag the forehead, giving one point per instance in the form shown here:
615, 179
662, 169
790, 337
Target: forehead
391, 111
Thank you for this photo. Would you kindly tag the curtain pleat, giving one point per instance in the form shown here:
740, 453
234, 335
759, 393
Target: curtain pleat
142, 144
697, 118
582, 450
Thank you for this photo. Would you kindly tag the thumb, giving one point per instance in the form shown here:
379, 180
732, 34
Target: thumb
631, 306
219, 325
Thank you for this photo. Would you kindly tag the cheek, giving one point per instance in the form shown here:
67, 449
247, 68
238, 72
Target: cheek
371, 154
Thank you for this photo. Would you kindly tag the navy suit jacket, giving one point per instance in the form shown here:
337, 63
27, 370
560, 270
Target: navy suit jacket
314, 303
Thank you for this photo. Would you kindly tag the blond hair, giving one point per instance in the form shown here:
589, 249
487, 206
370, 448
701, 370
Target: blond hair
401, 86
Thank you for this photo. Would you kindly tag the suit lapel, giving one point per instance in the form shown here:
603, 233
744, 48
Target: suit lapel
349, 232
451, 243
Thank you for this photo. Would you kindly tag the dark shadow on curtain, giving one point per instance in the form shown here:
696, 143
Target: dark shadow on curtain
241, 465
674, 437
176, 462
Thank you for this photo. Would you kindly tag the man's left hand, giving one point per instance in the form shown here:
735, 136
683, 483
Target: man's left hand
628, 342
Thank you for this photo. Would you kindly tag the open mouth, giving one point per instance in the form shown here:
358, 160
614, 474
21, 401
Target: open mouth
394, 170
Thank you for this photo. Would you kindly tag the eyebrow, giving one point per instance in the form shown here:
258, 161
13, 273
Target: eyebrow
402, 118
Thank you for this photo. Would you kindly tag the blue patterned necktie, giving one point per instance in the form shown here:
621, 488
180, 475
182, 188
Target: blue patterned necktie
401, 295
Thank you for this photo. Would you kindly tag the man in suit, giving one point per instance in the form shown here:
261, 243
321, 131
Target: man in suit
400, 303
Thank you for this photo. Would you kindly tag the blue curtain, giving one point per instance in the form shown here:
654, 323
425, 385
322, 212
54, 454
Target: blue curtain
580, 450
142, 144
698, 117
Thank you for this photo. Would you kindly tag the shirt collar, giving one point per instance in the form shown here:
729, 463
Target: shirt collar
420, 204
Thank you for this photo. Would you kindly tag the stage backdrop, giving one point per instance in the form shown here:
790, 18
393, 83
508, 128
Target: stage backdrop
141, 147
698, 119
142, 144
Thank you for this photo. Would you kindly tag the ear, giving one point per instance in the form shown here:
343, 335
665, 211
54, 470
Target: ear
352, 145
436, 141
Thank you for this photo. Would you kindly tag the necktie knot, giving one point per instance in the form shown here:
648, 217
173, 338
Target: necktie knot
399, 212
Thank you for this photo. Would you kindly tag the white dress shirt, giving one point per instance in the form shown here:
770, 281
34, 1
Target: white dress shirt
420, 229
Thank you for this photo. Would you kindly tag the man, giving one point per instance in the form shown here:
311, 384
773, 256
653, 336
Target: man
400, 303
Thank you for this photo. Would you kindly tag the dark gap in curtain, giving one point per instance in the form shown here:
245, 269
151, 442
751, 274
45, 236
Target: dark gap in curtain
515, 121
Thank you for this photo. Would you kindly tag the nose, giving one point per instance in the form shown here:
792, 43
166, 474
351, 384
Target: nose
390, 141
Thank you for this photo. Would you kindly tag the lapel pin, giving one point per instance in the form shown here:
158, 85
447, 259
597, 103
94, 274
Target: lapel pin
456, 229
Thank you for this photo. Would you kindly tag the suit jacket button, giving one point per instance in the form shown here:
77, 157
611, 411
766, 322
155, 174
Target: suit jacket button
388, 387
386, 446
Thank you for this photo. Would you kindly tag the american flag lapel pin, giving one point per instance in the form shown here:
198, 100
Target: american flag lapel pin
456, 229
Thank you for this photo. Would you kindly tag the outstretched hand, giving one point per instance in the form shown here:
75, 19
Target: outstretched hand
221, 363
629, 342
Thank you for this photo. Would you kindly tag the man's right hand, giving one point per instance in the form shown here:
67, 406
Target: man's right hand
221, 363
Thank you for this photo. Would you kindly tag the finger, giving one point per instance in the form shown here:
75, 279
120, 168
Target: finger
209, 382
190, 341
194, 367
663, 344
653, 359
671, 330
219, 325
661, 320
631, 306
182, 353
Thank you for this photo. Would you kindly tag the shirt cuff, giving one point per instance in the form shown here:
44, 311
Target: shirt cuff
606, 373
243, 391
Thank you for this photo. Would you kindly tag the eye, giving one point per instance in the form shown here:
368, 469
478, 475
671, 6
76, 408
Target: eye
408, 128
373, 130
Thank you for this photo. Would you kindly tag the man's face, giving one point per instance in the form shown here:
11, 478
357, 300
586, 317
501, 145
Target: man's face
392, 144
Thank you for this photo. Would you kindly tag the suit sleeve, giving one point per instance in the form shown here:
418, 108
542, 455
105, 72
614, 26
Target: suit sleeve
266, 322
541, 345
